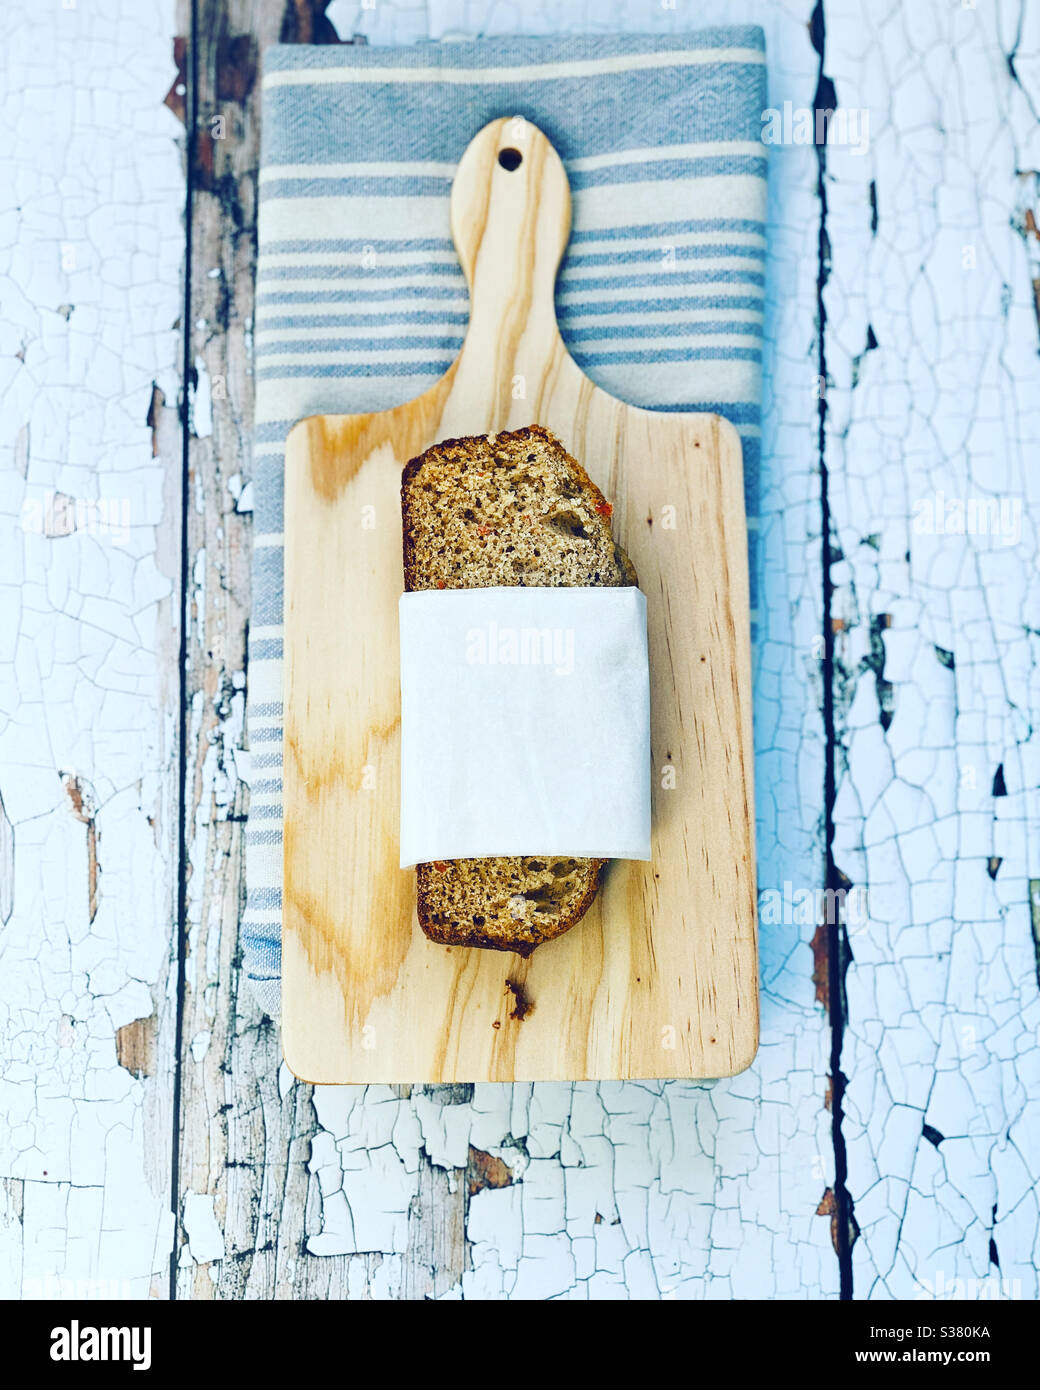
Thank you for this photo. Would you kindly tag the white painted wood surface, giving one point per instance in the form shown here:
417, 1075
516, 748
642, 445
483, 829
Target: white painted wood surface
930, 433
89, 586
699, 1189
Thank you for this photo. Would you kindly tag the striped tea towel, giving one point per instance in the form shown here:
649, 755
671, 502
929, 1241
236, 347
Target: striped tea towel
361, 303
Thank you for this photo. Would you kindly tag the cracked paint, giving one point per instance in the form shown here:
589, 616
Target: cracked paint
91, 264
621, 1190
1024, 222
938, 758
81, 798
205, 1241
485, 1171
135, 1046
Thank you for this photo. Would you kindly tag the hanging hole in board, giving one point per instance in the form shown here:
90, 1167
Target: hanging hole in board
510, 159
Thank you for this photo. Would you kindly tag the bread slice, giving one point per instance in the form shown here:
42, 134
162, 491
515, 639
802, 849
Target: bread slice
505, 510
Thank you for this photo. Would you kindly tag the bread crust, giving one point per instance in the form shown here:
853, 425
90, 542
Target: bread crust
518, 937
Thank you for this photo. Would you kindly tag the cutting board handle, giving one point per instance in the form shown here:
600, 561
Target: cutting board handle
510, 219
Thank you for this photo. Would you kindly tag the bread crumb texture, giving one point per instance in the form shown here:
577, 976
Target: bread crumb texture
519, 511
506, 904
506, 510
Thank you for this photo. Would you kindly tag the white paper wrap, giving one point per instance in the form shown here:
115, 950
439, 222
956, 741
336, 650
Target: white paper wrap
525, 724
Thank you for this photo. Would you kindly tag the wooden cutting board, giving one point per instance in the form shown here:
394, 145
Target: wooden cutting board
659, 979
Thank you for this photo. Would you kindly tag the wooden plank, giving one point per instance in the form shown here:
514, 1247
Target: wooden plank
89, 588
247, 1132
932, 422
235, 1133
660, 1190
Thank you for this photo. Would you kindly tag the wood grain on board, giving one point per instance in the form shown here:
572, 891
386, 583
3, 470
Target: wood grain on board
660, 977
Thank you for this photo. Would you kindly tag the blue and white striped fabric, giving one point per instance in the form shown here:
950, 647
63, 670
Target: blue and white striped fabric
361, 303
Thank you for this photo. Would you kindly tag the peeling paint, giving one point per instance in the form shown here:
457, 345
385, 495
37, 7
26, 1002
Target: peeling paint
84, 809
175, 96
90, 284
1024, 221
821, 965
205, 1241
437, 1254
486, 1170
135, 1046
932, 252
